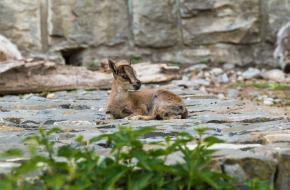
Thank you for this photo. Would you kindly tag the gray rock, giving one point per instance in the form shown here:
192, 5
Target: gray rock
268, 101
216, 71
201, 82
232, 93
246, 165
196, 68
217, 53
221, 21
283, 175
228, 66
251, 73
221, 96
155, 23
89, 22
224, 79
274, 75
15, 25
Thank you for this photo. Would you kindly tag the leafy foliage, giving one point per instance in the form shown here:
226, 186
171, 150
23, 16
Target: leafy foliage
130, 165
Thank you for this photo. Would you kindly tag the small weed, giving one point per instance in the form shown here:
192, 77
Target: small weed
136, 59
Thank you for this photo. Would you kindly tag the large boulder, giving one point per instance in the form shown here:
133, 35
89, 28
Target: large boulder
155, 23
20, 22
90, 22
219, 53
283, 175
247, 165
224, 21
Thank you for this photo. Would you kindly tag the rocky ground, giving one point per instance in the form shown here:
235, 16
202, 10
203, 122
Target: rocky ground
267, 87
256, 133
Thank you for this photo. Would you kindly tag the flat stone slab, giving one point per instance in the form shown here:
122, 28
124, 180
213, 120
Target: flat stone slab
80, 112
252, 133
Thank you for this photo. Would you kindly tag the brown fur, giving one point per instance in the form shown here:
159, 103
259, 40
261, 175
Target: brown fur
146, 104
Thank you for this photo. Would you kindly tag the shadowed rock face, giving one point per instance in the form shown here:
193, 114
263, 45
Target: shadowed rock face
282, 51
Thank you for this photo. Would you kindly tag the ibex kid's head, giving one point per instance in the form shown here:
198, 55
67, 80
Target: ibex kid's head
124, 75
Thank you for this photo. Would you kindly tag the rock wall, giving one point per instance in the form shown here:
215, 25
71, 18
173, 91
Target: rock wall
240, 32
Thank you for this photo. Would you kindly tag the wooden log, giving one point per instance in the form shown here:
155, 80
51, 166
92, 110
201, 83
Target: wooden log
43, 76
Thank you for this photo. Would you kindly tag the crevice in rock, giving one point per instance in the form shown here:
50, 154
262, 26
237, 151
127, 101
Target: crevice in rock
287, 69
73, 56
44, 25
219, 121
222, 167
276, 176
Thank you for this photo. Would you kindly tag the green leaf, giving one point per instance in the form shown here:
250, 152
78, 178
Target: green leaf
80, 140
211, 140
114, 176
207, 177
201, 130
6, 184
140, 181
12, 153
53, 131
55, 182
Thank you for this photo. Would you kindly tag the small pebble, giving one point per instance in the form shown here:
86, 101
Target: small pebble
101, 109
224, 79
251, 73
221, 96
51, 96
268, 101
216, 71
274, 75
232, 93
240, 78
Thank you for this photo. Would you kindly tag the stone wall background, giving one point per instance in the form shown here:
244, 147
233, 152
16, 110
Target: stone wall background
240, 32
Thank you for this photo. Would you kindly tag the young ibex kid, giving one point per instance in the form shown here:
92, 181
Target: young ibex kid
146, 104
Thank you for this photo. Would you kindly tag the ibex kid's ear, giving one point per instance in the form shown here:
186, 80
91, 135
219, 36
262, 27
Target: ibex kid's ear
112, 65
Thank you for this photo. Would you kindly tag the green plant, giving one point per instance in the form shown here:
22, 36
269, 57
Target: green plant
135, 59
130, 165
